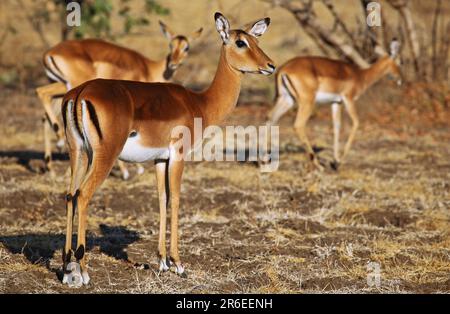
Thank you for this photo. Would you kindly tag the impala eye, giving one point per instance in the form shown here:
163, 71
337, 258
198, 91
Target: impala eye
241, 43
186, 49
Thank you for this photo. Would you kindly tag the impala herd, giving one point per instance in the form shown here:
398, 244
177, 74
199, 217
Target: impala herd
118, 104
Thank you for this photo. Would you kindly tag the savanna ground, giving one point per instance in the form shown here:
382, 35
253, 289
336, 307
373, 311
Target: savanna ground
291, 231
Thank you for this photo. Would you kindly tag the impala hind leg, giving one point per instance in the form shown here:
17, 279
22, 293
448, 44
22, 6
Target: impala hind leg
176, 166
123, 169
336, 114
162, 179
303, 115
46, 94
97, 173
78, 168
282, 105
351, 109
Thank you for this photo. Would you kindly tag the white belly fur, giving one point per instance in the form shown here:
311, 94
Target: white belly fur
324, 98
133, 151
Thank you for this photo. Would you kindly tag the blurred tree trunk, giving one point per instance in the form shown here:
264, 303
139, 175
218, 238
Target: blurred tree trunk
304, 14
402, 6
434, 39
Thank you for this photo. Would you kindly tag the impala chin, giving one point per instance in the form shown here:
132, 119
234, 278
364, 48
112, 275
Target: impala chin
266, 72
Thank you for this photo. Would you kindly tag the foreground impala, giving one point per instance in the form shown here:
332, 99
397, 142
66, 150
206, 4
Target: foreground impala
311, 80
109, 119
73, 62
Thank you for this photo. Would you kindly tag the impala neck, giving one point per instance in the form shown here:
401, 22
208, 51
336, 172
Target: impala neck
222, 95
374, 73
158, 71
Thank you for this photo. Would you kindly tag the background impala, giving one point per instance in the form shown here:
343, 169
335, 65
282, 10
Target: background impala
73, 62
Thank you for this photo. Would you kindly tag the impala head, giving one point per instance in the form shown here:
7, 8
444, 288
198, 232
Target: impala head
241, 46
396, 62
179, 46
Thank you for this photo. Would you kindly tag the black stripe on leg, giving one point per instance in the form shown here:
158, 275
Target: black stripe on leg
64, 113
94, 118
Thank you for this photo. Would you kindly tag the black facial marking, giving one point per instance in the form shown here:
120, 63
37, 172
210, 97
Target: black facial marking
94, 118
181, 37
79, 253
168, 73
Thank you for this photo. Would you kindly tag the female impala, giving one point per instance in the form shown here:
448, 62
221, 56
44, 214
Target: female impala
73, 62
109, 119
310, 80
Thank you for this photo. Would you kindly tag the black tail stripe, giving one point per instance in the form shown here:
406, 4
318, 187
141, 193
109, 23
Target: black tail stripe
53, 72
94, 118
54, 64
75, 116
64, 113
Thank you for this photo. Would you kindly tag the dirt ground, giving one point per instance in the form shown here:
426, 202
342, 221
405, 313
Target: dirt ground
291, 231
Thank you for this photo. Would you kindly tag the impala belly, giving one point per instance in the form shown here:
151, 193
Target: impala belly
325, 98
134, 151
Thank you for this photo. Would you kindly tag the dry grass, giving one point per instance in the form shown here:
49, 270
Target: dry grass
291, 231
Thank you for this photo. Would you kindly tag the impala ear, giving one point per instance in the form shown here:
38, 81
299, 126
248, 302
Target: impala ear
222, 26
196, 34
166, 30
258, 28
394, 48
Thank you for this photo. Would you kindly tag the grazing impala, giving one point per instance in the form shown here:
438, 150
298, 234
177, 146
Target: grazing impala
73, 62
310, 80
134, 121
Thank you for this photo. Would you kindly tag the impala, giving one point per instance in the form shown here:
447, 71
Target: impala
73, 62
134, 121
311, 80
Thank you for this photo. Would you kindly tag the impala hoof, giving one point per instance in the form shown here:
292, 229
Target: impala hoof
74, 278
125, 175
140, 170
179, 270
334, 165
60, 144
164, 265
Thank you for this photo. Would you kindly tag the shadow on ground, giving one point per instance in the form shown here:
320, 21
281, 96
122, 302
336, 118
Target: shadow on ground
40, 248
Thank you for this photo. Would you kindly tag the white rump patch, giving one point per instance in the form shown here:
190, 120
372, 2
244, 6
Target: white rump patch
325, 98
134, 151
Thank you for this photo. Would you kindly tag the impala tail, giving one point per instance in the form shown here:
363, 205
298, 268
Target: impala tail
81, 124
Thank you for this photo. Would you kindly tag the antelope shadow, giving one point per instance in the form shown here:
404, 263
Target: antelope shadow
40, 248
24, 157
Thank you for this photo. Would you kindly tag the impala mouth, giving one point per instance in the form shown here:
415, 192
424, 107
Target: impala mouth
174, 66
265, 72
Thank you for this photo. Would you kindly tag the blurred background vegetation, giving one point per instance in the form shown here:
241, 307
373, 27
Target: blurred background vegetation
29, 27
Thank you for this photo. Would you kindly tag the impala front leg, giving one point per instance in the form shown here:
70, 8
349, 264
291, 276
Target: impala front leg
336, 113
176, 166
